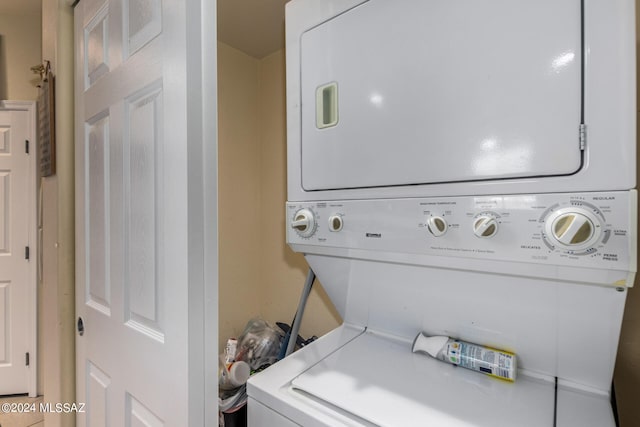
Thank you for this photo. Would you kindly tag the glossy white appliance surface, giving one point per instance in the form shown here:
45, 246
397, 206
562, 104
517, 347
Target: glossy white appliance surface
586, 237
576, 408
480, 106
387, 273
363, 155
368, 378
271, 396
538, 319
515, 289
351, 377
463, 169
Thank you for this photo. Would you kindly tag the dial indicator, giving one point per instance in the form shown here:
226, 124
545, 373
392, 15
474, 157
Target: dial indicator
574, 229
304, 223
485, 225
437, 226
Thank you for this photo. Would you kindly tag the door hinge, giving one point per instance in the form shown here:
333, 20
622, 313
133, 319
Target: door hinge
26, 146
26, 359
583, 136
26, 252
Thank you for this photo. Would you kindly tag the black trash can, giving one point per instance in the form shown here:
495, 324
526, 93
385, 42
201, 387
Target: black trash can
237, 418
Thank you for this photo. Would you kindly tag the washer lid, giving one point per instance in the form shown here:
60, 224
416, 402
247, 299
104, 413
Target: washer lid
383, 382
419, 92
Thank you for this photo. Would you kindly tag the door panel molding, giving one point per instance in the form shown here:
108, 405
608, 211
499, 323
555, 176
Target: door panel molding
146, 207
13, 246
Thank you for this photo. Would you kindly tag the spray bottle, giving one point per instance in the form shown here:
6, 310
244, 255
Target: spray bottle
497, 363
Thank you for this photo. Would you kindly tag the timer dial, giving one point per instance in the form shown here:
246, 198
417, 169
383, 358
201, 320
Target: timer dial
573, 228
304, 223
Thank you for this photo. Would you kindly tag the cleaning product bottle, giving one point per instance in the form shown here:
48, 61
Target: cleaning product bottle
497, 363
234, 375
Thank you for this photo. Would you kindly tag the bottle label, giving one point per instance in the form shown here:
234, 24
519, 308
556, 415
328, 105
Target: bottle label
496, 363
230, 352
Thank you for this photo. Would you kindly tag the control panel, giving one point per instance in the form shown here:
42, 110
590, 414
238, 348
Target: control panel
594, 230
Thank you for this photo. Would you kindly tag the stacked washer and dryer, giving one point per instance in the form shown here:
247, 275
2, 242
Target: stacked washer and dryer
462, 168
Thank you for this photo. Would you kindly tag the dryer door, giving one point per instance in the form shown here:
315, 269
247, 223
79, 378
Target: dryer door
431, 91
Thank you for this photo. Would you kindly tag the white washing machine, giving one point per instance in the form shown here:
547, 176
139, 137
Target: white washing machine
461, 168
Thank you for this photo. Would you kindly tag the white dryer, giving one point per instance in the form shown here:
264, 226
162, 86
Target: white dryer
462, 168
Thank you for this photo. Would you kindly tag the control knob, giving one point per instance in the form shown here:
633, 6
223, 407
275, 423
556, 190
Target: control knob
573, 228
304, 222
485, 226
335, 223
437, 226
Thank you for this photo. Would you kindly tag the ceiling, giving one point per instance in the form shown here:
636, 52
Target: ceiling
20, 7
255, 27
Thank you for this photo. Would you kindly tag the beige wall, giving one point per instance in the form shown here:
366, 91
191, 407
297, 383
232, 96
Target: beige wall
238, 190
58, 314
259, 274
20, 41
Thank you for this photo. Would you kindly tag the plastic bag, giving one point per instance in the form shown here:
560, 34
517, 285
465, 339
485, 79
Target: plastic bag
259, 344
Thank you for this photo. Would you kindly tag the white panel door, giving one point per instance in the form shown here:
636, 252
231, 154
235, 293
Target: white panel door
141, 300
17, 233
420, 92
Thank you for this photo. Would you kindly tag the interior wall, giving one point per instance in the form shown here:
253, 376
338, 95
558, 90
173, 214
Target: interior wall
58, 286
20, 49
627, 375
238, 191
259, 274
